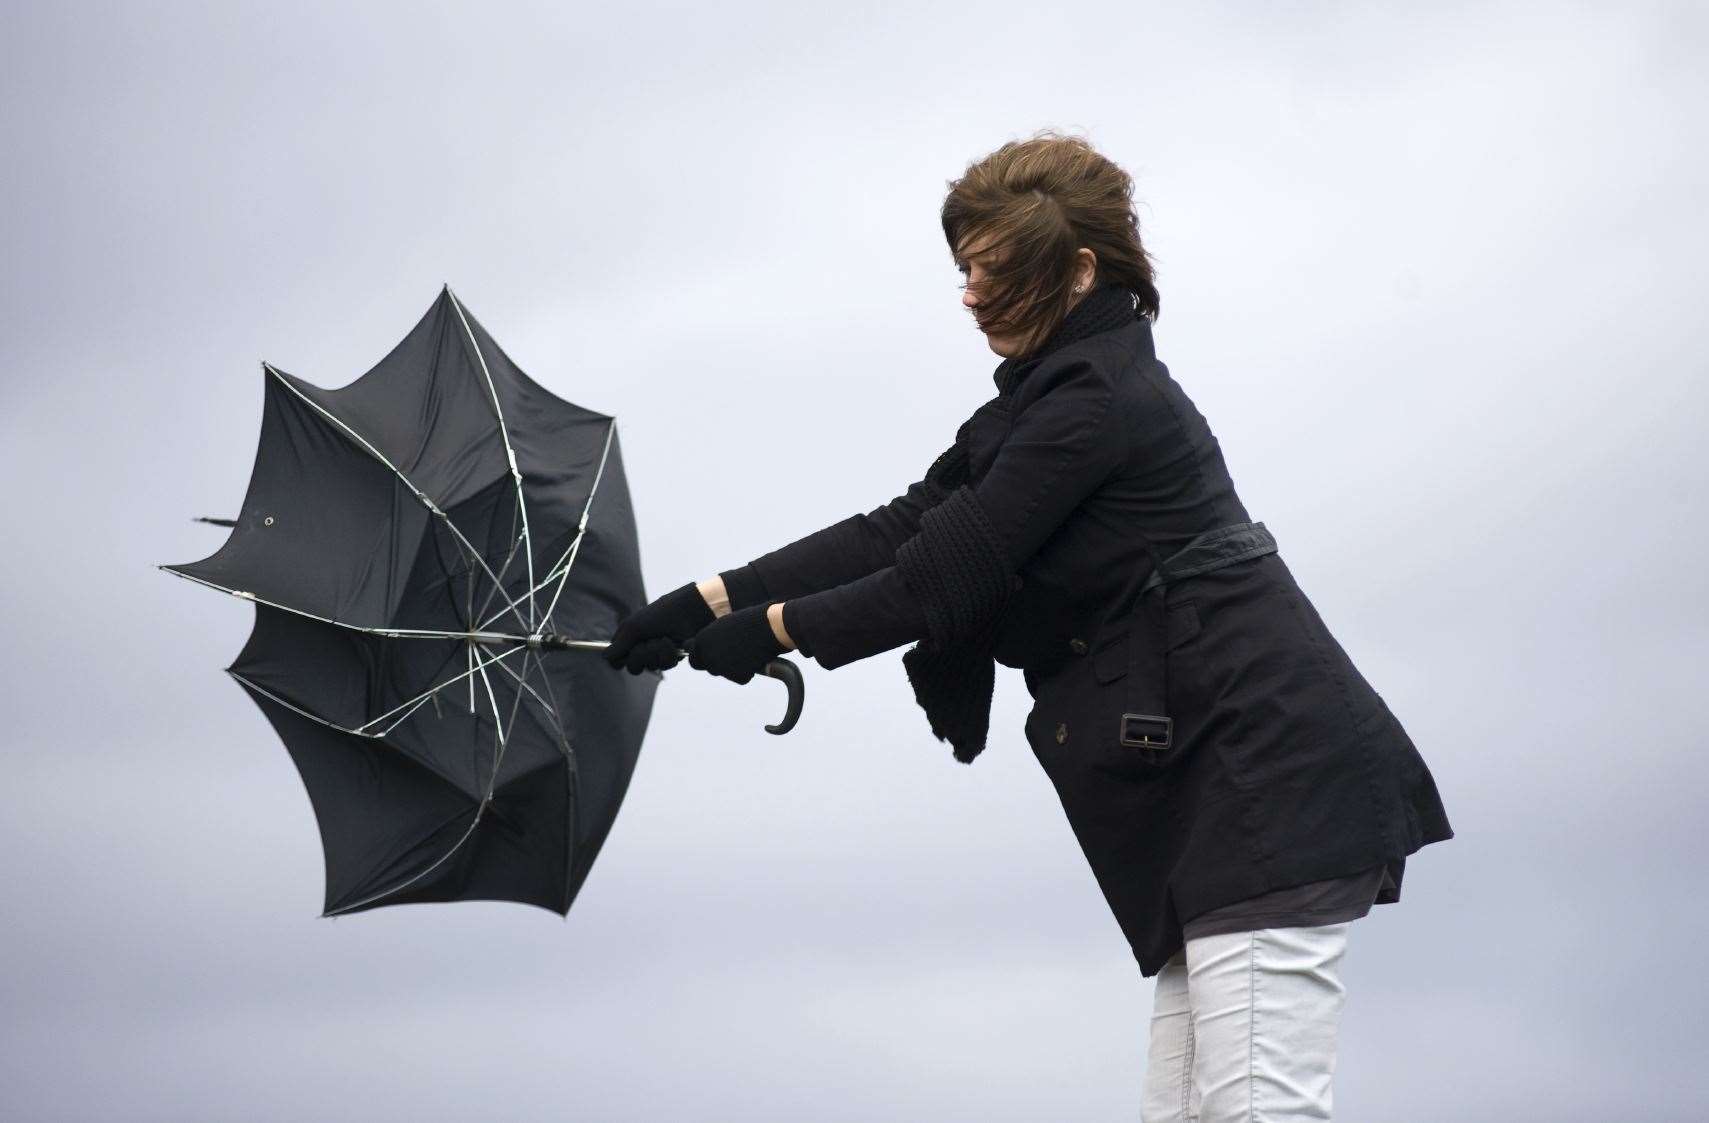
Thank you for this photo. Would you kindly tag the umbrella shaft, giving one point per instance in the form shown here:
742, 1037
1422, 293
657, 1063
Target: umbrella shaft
556, 643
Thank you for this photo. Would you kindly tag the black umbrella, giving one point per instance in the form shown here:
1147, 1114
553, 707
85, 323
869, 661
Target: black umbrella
431, 552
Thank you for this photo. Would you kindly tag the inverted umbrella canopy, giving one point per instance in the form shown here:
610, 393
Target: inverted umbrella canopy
422, 547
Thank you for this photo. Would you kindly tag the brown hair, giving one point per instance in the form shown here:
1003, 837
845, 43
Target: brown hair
1036, 202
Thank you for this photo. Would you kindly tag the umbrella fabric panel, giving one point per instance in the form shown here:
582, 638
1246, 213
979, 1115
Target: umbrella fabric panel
572, 730
515, 851
449, 408
372, 686
324, 528
383, 819
522, 849
394, 830
426, 409
348, 520
558, 445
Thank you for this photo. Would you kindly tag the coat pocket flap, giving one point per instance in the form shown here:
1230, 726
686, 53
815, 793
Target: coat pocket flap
1109, 658
1110, 655
1183, 622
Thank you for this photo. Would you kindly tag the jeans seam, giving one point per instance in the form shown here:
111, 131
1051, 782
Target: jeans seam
1187, 1071
1252, 1029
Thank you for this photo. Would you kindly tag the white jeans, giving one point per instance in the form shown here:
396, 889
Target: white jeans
1243, 1028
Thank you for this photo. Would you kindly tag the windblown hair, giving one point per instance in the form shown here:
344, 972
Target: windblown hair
1035, 202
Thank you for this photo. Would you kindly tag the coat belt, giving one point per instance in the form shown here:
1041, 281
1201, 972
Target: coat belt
1145, 728
1213, 549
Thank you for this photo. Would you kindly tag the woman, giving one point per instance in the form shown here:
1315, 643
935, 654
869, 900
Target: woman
1240, 791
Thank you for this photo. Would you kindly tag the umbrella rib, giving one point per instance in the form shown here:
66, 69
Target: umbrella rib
456, 846
498, 758
374, 736
516, 708
416, 491
551, 704
389, 633
470, 613
298, 709
524, 684
509, 453
498, 727
294, 708
568, 558
547, 580
416, 702
547, 705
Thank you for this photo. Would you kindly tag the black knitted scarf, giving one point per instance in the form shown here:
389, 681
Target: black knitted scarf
1105, 308
956, 565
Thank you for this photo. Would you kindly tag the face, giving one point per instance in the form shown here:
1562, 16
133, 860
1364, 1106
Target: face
974, 264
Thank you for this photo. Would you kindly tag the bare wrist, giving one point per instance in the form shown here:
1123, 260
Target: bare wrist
717, 598
774, 614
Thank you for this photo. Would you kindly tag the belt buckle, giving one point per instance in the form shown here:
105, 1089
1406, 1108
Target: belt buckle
1147, 731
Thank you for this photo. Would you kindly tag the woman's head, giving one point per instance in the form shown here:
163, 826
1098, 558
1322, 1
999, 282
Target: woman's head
1035, 219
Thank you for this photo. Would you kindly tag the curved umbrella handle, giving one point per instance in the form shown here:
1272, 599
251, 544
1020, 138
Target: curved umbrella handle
790, 675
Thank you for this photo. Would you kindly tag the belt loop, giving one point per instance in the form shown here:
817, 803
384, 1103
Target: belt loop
1144, 725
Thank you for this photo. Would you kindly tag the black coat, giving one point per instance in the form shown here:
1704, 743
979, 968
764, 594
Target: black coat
1283, 765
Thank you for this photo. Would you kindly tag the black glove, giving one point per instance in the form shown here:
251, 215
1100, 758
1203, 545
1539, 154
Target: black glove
648, 639
736, 646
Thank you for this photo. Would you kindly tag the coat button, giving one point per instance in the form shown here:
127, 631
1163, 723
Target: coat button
1078, 645
1061, 732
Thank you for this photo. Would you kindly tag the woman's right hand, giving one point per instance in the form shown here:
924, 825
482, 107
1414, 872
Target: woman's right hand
651, 638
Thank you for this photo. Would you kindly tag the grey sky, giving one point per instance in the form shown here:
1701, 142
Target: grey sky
1431, 271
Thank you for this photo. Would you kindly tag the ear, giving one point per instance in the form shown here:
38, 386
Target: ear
1085, 268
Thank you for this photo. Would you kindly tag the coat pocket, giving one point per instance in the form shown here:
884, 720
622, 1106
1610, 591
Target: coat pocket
1111, 657
1130, 727
1077, 723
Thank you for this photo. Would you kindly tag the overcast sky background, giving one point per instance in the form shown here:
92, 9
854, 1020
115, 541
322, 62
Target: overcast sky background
1433, 272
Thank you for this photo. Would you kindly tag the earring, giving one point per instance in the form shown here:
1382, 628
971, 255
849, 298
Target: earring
1079, 289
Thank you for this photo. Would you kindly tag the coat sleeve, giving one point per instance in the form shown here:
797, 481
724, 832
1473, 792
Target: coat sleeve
844, 551
1062, 448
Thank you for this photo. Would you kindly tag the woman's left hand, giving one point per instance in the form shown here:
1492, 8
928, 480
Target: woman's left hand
736, 646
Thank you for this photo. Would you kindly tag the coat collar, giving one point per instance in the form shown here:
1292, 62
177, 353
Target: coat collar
1105, 308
